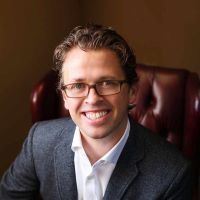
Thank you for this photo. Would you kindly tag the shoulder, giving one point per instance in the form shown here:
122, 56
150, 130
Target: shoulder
158, 153
52, 127
162, 170
48, 134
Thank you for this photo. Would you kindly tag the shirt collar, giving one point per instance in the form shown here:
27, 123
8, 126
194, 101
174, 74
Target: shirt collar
113, 154
77, 142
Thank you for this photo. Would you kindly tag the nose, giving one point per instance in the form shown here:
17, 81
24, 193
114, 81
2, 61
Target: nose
92, 97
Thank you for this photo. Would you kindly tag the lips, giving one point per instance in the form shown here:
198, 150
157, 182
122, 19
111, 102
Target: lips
95, 115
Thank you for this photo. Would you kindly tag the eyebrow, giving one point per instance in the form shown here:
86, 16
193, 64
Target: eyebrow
99, 79
78, 80
107, 78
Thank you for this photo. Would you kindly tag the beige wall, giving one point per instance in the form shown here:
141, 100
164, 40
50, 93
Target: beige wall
165, 33
29, 31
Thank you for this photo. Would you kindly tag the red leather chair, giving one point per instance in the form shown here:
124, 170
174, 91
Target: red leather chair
168, 102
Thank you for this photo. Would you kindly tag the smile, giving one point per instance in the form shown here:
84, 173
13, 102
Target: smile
95, 115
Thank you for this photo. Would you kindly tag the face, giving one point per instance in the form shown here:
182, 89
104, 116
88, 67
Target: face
98, 117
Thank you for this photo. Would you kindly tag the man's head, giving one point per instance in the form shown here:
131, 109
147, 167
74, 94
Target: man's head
94, 37
97, 70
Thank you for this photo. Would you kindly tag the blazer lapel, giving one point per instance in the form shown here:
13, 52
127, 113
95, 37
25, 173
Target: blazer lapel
126, 169
64, 166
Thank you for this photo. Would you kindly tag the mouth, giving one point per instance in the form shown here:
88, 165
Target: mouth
96, 115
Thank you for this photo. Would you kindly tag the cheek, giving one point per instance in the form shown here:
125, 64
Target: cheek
120, 102
125, 96
66, 104
71, 105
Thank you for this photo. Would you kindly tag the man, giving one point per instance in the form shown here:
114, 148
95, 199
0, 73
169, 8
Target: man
100, 153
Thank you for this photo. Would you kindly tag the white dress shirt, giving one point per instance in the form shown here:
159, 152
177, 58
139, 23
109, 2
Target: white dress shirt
92, 180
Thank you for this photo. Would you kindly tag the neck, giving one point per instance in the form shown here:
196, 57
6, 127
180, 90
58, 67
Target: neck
96, 149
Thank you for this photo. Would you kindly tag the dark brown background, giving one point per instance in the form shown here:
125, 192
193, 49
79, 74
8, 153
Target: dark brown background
165, 33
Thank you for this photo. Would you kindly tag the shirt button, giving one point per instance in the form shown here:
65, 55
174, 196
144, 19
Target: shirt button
89, 177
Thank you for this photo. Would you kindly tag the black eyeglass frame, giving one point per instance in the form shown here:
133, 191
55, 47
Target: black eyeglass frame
121, 82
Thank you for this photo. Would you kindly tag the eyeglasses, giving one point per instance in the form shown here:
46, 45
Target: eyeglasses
103, 88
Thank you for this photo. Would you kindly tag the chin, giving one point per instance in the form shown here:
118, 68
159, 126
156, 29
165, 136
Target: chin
96, 135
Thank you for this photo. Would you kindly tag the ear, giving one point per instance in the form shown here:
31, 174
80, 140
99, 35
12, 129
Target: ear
132, 93
65, 100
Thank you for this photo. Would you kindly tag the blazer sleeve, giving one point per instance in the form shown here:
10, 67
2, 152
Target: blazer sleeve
20, 180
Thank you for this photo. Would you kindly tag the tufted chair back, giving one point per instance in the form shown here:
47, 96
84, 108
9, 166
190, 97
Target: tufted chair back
167, 102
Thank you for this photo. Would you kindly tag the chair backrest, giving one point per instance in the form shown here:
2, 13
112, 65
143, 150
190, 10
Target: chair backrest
167, 102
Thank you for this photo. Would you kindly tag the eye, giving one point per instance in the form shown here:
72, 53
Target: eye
108, 83
76, 86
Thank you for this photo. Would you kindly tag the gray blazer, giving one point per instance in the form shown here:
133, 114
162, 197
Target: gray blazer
148, 168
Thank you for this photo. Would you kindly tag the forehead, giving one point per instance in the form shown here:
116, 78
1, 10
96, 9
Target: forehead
91, 64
